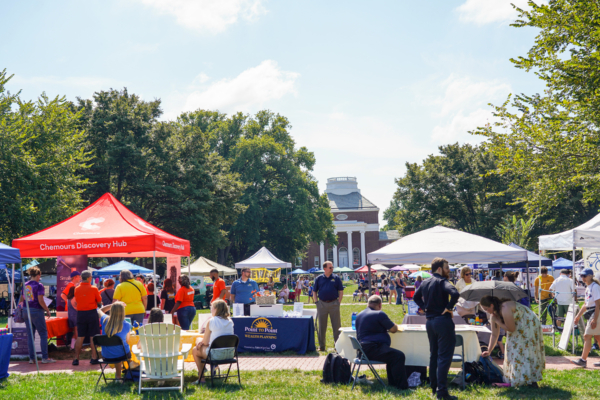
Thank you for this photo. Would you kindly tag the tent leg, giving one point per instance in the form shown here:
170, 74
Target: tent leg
540, 291
12, 295
154, 277
575, 302
37, 366
189, 268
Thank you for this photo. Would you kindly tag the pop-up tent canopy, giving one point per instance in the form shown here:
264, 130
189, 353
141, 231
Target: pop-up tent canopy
315, 270
533, 260
6, 276
562, 263
203, 266
455, 246
9, 255
116, 269
584, 236
106, 228
343, 270
263, 259
298, 271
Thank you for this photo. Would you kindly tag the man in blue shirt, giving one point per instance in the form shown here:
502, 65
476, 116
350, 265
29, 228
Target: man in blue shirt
438, 297
372, 327
243, 290
328, 292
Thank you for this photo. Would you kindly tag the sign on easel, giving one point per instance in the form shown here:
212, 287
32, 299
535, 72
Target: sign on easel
568, 326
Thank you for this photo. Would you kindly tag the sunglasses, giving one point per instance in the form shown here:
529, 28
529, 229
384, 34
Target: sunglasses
467, 274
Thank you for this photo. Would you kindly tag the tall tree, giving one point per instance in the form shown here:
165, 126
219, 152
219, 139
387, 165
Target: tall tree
163, 171
549, 142
451, 189
42, 158
285, 211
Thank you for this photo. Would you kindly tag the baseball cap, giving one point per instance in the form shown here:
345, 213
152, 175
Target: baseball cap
587, 271
75, 273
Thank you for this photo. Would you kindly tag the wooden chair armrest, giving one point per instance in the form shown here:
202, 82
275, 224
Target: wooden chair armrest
185, 349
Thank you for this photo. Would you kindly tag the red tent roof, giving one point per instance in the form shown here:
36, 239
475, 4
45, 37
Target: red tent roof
364, 270
105, 228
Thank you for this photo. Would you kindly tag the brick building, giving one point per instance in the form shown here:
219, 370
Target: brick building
356, 222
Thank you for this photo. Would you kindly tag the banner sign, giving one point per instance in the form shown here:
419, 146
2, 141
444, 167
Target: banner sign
64, 266
262, 275
275, 334
591, 259
174, 270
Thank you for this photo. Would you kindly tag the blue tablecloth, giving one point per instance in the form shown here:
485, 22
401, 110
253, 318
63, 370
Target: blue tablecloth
272, 334
5, 346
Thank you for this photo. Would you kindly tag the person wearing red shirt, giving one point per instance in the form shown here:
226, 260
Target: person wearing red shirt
219, 290
75, 279
88, 300
184, 303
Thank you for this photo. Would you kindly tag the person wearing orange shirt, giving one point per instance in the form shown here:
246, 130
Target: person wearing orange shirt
88, 300
219, 290
184, 303
75, 279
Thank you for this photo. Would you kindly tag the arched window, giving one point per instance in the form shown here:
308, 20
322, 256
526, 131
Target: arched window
330, 255
343, 259
355, 256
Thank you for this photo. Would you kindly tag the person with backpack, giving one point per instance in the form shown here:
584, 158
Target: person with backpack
524, 359
134, 295
372, 327
107, 293
590, 311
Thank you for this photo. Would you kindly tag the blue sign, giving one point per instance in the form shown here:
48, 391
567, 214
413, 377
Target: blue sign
274, 334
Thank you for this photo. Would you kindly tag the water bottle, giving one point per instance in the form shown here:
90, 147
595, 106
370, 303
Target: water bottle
353, 321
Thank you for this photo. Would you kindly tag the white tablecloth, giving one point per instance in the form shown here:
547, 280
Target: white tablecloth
414, 344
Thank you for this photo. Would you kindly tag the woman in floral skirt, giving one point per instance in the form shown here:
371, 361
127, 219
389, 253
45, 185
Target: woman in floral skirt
524, 359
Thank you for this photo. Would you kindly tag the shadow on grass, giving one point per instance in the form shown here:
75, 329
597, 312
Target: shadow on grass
531, 393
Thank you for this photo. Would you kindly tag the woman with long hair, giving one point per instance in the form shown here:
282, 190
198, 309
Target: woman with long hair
184, 303
167, 296
72, 314
107, 293
524, 359
219, 325
115, 325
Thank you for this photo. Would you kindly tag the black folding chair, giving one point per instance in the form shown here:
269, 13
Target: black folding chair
105, 341
461, 359
361, 359
223, 342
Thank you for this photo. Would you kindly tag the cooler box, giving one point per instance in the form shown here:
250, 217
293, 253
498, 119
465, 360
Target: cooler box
409, 292
266, 310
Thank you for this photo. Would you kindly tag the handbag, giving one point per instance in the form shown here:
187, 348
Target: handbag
19, 317
589, 313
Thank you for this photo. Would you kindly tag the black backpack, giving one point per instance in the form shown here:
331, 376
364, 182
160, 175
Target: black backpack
336, 369
475, 373
493, 373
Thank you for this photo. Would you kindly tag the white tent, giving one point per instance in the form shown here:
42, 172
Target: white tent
455, 246
263, 259
379, 267
586, 236
203, 266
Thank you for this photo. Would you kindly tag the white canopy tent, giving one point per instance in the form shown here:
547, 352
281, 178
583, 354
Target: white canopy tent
203, 266
585, 236
263, 259
455, 246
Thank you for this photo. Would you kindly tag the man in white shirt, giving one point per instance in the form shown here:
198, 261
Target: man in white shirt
563, 292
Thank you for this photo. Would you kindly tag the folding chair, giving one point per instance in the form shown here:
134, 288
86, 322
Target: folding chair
226, 342
460, 358
361, 359
105, 341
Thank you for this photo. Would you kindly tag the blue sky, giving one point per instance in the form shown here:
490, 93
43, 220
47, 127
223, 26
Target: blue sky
367, 86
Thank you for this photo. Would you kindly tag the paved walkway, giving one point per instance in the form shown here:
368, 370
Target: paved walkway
255, 363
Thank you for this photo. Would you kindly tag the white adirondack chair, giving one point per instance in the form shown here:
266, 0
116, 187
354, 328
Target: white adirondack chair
159, 355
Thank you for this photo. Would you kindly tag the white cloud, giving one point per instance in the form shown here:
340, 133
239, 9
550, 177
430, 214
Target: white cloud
213, 16
246, 92
483, 12
463, 106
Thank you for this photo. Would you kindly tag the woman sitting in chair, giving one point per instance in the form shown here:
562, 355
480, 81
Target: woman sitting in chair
219, 325
284, 293
115, 325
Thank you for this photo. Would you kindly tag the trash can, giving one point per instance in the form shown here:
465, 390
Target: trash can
5, 348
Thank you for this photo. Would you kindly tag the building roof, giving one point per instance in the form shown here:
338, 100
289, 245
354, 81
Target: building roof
350, 201
389, 235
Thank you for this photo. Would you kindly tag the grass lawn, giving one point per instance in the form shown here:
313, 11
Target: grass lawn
287, 384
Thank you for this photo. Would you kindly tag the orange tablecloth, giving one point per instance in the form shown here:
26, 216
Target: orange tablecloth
186, 337
57, 327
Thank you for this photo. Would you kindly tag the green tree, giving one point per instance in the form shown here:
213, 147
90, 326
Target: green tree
163, 171
516, 230
284, 210
549, 142
450, 189
42, 157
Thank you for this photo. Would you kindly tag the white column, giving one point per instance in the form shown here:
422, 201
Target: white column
350, 255
363, 254
335, 257
321, 254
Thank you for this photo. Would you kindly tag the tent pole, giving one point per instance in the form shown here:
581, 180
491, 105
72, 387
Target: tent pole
369, 278
575, 297
540, 290
154, 277
37, 366
12, 294
189, 268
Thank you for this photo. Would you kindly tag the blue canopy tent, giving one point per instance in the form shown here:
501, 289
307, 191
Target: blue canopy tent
5, 275
562, 263
298, 271
116, 269
315, 271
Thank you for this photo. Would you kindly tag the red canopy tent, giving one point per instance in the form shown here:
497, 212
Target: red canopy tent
106, 228
365, 269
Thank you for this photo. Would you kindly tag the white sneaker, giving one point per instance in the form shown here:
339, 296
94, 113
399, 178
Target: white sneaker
48, 361
31, 361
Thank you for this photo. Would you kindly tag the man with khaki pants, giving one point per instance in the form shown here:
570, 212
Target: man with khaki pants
328, 292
